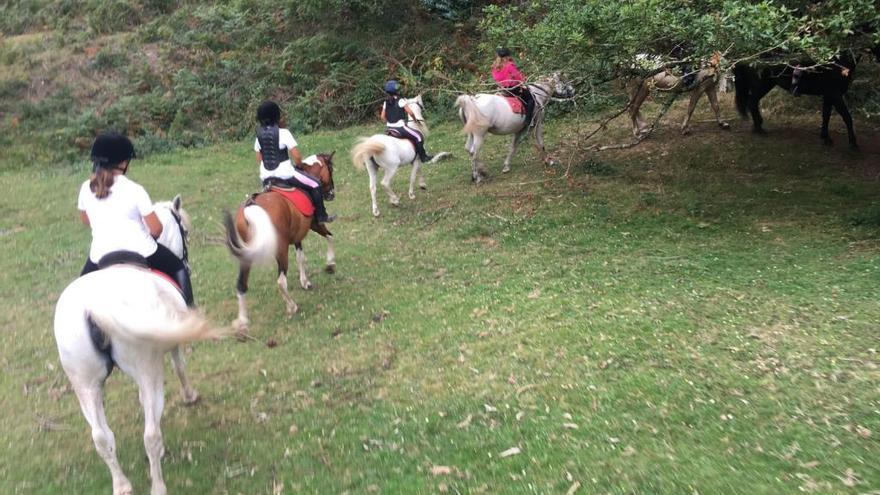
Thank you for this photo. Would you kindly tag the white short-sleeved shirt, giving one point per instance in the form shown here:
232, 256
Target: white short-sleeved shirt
400, 123
117, 220
285, 169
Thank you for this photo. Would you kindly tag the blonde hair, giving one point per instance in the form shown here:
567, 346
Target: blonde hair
102, 181
499, 62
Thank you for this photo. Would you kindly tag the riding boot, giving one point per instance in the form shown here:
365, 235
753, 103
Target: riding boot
424, 157
320, 211
181, 277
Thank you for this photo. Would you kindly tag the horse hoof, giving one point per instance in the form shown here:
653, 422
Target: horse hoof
724, 125
331, 269
307, 286
828, 142
412, 196
291, 310
123, 489
375, 213
240, 326
423, 187
505, 170
190, 398
759, 131
685, 132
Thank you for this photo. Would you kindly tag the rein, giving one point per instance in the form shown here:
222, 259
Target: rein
183, 234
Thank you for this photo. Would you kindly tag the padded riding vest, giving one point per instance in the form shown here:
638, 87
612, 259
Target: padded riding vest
267, 136
393, 112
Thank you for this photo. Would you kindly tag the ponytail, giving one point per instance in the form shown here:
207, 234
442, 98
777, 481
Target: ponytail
102, 181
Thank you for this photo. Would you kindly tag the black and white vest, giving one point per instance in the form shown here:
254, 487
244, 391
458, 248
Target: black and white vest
267, 136
393, 112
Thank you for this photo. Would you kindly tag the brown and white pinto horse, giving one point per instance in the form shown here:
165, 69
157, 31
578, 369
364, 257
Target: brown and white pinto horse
266, 227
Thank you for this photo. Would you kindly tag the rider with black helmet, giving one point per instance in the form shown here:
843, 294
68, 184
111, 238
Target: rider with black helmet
120, 213
394, 113
280, 161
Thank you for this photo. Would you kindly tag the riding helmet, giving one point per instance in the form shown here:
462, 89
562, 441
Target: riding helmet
269, 113
502, 52
110, 149
392, 87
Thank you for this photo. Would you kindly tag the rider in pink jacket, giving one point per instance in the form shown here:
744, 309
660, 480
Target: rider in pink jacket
510, 79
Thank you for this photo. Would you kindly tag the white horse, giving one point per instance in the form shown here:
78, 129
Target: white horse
706, 81
491, 113
389, 153
130, 317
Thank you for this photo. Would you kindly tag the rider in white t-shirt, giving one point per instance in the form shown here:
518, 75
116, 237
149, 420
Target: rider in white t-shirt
280, 160
120, 213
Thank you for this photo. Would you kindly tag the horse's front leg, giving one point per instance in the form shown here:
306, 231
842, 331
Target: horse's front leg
843, 110
695, 97
826, 116
635, 111
301, 266
539, 142
331, 255
190, 396
414, 173
281, 258
386, 184
241, 287
712, 94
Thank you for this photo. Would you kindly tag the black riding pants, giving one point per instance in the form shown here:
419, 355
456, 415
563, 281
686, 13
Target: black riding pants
166, 262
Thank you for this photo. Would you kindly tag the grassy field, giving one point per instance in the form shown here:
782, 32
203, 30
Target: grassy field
694, 315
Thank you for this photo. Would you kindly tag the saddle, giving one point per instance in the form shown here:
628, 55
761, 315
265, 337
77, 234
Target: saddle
395, 133
133, 259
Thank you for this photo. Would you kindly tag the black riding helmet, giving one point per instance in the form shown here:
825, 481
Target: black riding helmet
502, 52
110, 149
268, 113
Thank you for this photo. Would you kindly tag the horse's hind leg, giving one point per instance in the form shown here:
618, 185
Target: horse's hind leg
241, 287
371, 171
712, 94
301, 266
149, 375
88, 384
826, 116
514, 142
281, 258
331, 255
386, 184
477, 171
190, 396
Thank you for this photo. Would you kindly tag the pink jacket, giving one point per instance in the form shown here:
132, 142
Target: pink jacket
508, 76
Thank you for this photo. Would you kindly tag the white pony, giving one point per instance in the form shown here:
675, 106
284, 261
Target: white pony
490, 113
128, 316
389, 153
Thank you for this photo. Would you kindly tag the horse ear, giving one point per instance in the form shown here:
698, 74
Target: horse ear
331, 154
176, 202
419, 98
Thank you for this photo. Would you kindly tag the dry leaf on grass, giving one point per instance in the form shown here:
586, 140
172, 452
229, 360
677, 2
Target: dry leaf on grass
573, 488
466, 421
441, 470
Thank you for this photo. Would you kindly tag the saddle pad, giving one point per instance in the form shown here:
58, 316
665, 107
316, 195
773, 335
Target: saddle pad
299, 199
166, 277
516, 105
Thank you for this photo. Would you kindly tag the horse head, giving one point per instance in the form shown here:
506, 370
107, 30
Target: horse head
557, 86
176, 225
417, 108
322, 169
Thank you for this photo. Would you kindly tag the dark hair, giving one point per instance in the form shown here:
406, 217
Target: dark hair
268, 113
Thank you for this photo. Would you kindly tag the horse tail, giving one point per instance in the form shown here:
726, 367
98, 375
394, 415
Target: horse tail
741, 76
470, 114
365, 149
263, 237
148, 309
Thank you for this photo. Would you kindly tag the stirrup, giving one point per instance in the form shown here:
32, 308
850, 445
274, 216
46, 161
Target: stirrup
329, 219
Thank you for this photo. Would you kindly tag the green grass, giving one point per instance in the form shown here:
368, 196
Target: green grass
670, 320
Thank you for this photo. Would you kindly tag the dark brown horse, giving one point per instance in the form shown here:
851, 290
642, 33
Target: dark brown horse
830, 81
266, 227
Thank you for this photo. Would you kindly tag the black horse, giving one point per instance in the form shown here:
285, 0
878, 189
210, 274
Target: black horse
830, 81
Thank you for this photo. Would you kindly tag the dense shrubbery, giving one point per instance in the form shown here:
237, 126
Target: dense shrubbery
172, 73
